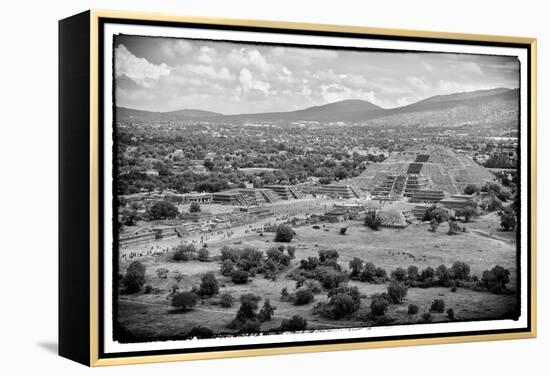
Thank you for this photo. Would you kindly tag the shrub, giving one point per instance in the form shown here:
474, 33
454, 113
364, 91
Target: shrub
343, 230
451, 314
467, 212
178, 277
399, 274
227, 267
229, 254
194, 208
250, 326
202, 254
134, 279
184, 252
369, 272
148, 289
413, 309
162, 273
471, 189
495, 280
209, 285
310, 264
184, 300
397, 291
504, 196
439, 214
239, 277
379, 304
438, 305
226, 300
284, 294
443, 275
302, 297
427, 274
330, 278
284, 234
274, 254
266, 312
295, 324
200, 332
291, 250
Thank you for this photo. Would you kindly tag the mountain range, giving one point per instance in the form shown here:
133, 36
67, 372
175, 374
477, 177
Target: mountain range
487, 106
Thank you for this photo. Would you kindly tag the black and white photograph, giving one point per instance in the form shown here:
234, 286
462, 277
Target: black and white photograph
268, 189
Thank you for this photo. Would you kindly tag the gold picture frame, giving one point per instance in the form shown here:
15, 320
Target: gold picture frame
87, 26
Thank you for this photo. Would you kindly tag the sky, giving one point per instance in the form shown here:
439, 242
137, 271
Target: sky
167, 74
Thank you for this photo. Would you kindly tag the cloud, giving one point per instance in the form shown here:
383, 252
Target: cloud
248, 82
250, 58
138, 69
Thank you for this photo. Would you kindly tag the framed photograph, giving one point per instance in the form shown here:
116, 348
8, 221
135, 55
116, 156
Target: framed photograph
233, 188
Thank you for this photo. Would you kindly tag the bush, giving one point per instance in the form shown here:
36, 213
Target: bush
495, 280
379, 304
439, 214
399, 274
397, 291
343, 230
148, 289
266, 312
310, 264
239, 277
508, 221
227, 267
434, 224
295, 324
291, 250
427, 274
327, 255
504, 196
443, 275
184, 300
194, 208
250, 326
471, 189
203, 254
248, 308
134, 279
413, 309
302, 297
226, 300
467, 212
184, 252
330, 278
369, 272
451, 314
284, 234
438, 305
209, 285
200, 332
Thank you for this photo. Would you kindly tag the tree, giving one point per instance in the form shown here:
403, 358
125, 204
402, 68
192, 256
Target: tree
184, 252
399, 274
372, 221
209, 285
129, 217
295, 324
134, 279
184, 300
412, 273
379, 304
413, 309
266, 312
356, 266
397, 291
427, 273
369, 272
227, 267
248, 308
454, 228
162, 210
239, 277
202, 254
508, 221
284, 234
495, 280
443, 275
440, 214
460, 270
194, 207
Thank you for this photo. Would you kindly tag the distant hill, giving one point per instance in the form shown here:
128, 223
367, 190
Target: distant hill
129, 114
483, 106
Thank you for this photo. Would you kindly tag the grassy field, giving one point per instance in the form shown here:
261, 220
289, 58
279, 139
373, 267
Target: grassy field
151, 314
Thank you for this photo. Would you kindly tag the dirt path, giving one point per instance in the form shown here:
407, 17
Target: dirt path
218, 311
